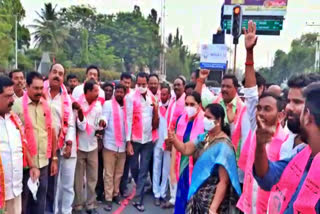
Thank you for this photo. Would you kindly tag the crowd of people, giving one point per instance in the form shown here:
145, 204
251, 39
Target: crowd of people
63, 147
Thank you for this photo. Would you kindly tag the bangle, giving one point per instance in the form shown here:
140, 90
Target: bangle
55, 158
249, 63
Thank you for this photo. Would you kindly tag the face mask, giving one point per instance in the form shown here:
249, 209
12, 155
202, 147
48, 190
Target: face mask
191, 111
142, 90
208, 124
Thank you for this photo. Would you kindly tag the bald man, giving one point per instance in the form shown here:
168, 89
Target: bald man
275, 89
64, 123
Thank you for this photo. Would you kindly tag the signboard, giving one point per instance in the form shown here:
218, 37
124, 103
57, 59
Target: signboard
213, 56
257, 7
262, 25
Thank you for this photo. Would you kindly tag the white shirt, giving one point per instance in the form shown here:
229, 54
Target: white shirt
162, 130
287, 150
78, 91
147, 114
12, 157
56, 109
88, 143
109, 141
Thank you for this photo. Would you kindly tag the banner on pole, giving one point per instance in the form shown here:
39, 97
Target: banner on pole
213, 56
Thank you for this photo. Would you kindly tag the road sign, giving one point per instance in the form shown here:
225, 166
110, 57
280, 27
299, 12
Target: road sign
262, 25
213, 56
257, 7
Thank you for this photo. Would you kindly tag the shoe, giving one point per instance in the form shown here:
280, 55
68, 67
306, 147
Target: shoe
108, 206
92, 211
125, 194
167, 205
117, 200
100, 198
157, 202
138, 206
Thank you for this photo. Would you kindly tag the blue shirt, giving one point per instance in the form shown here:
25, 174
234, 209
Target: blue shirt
273, 176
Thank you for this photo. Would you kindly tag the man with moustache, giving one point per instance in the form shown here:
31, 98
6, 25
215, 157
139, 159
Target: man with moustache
294, 107
72, 81
293, 181
35, 113
18, 80
60, 190
93, 73
13, 152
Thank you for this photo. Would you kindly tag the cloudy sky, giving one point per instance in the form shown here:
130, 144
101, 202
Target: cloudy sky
198, 20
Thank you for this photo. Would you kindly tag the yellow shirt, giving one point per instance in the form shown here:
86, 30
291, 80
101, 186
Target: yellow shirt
37, 116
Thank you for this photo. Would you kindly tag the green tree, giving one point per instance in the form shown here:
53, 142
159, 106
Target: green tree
50, 32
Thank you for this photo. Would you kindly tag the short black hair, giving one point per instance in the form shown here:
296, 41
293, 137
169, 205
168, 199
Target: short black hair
14, 71
234, 79
280, 100
56, 64
143, 75
88, 86
125, 75
72, 76
261, 81
33, 75
93, 67
120, 86
303, 80
311, 93
190, 85
196, 96
183, 80
4, 83
165, 85
154, 75
107, 84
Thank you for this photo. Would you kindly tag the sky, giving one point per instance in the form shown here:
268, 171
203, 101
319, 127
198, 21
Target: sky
198, 20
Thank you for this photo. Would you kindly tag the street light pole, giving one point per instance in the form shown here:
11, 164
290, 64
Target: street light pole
16, 42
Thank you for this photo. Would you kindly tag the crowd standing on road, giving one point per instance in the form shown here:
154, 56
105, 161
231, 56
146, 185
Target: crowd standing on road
63, 147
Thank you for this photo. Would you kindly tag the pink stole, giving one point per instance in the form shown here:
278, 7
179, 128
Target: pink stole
241, 109
117, 122
175, 111
155, 135
197, 128
29, 132
64, 110
81, 100
246, 162
137, 125
309, 194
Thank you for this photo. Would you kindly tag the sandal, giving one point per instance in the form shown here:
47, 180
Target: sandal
138, 206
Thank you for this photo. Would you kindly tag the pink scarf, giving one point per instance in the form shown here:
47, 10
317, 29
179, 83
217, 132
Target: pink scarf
309, 194
197, 128
137, 125
29, 132
117, 125
64, 110
246, 162
241, 109
81, 101
175, 109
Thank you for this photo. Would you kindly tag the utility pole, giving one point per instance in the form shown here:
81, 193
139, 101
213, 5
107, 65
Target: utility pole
317, 57
162, 70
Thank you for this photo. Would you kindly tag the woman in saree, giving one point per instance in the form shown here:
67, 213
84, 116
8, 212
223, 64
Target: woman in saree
215, 185
189, 125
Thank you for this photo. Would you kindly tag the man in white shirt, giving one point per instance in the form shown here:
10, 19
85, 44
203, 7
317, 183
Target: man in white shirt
161, 157
89, 120
11, 151
114, 142
64, 124
19, 81
142, 114
294, 107
92, 72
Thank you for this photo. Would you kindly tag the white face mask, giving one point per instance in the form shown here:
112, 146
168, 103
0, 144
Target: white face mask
191, 111
208, 124
142, 90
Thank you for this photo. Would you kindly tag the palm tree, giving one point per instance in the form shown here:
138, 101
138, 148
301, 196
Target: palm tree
50, 32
